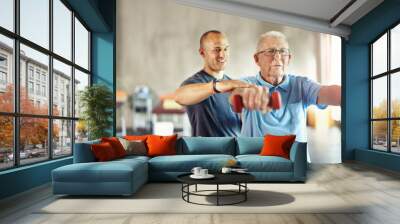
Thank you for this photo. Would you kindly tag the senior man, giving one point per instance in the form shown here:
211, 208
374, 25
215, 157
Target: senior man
297, 93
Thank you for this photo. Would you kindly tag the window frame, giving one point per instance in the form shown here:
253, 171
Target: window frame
3, 74
388, 74
5, 58
3, 71
15, 72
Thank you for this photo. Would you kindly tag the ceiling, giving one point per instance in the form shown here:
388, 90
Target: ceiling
326, 16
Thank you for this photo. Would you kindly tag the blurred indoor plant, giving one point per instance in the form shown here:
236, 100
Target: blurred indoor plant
96, 103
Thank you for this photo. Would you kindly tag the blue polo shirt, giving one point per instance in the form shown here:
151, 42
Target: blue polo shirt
297, 93
212, 117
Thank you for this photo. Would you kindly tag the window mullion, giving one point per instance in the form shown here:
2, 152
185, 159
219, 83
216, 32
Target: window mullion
389, 101
50, 81
16, 84
73, 82
89, 53
371, 144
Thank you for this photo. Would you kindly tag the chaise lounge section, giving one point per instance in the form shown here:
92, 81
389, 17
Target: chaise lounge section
88, 177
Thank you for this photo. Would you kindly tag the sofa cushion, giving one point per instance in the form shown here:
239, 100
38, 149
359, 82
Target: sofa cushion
161, 145
132, 158
103, 152
206, 145
185, 163
277, 145
257, 163
134, 147
112, 171
136, 137
116, 145
83, 153
249, 145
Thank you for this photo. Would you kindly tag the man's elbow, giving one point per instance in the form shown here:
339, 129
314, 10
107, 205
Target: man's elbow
178, 98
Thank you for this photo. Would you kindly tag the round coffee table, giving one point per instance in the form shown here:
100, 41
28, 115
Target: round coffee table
238, 179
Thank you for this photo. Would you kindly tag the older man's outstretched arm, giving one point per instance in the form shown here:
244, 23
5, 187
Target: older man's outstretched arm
330, 95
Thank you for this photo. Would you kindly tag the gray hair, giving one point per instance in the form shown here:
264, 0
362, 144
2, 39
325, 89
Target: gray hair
271, 34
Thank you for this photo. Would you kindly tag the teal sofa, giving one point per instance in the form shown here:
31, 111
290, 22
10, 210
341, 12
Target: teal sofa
125, 176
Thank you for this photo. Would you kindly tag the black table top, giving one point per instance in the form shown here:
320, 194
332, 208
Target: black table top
220, 178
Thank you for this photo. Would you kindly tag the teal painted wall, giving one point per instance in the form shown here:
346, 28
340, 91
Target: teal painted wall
91, 12
103, 53
356, 105
24, 178
103, 58
356, 84
379, 159
100, 16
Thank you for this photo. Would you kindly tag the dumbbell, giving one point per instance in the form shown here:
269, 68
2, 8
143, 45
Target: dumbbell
275, 102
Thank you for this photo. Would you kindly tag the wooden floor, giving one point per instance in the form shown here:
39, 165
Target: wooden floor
378, 188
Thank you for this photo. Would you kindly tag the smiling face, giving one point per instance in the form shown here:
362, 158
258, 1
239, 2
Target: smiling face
215, 52
272, 65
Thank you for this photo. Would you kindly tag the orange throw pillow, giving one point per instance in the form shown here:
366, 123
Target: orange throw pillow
116, 145
277, 145
103, 152
136, 137
161, 145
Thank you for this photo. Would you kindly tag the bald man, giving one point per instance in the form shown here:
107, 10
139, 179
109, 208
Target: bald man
206, 93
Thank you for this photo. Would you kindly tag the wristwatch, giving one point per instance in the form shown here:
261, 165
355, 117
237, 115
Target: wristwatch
215, 86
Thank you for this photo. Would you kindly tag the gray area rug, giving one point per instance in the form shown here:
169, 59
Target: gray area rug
166, 198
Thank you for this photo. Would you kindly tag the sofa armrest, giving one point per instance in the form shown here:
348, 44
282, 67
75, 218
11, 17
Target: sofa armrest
298, 155
83, 152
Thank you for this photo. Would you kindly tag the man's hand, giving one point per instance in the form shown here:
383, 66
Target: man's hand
229, 85
253, 97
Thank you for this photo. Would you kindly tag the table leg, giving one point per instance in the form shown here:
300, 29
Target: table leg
196, 188
188, 189
217, 194
245, 191
182, 188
